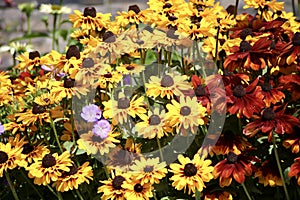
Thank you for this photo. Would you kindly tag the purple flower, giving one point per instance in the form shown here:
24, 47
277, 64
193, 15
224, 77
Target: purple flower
1, 129
91, 113
101, 128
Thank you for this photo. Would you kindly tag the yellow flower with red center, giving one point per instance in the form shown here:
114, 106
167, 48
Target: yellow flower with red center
190, 175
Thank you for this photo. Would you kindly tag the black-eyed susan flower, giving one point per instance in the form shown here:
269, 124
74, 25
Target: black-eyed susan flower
49, 168
133, 16
138, 190
74, 177
148, 170
36, 114
90, 20
94, 144
268, 174
190, 175
10, 158
34, 151
243, 101
292, 141
131, 69
234, 166
272, 119
30, 60
295, 170
113, 188
185, 114
170, 85
119, 110
218, 195
153, 125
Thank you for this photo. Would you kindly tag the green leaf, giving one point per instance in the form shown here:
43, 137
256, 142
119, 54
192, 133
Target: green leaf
68, 145
33, 35
64, 33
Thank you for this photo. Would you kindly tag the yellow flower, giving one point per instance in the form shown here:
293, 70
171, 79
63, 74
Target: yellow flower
119, 110
113, 188
36, 114
148, 170
187, 113
137, 190
72, 179
10, 158
94, 144
153, 125
169, 85
191, 174
49, 168
89, 20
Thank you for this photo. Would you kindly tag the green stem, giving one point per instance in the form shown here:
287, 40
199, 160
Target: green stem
55, 132
159, 147
246, 191
28, 27
79, 195
59, 196
54, 31
293, 6
53, 192
236, 7
279, 168
33, 187
11, 186
73, 125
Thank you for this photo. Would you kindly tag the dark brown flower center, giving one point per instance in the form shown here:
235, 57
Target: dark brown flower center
108, 75
69, 83
117, 182
73, 51
96, 138
129, 67
48, 161
138, 187
123, 103
88, 63
73, 170
296, 39
27, 148
239, 91
190, 169
232, 157
37, 109
267, 87
185, 110
3, 157
109, 37
230, 9
268, 114
167, 5
134, 8
245, 46
200, 91
245, 32
154, 120
167, 81
34, 54
172, 18
148, 169
90, 11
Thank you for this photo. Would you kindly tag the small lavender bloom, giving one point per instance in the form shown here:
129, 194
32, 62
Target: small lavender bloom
101, 128
91, 113
46, 68
1, 129
126, 79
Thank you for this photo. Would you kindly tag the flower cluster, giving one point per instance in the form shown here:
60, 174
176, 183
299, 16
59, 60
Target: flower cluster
131, 109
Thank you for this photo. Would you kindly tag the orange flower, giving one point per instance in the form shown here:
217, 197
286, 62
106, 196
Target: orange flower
234, 166
295, 170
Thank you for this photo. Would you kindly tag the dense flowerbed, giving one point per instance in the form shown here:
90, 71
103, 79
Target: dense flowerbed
182, 100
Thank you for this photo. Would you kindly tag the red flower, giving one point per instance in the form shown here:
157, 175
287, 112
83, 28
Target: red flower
292, 50
234, 166
272, 120
295, 170
247, 56
201, 92
243, 101
269, 93
291, 83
